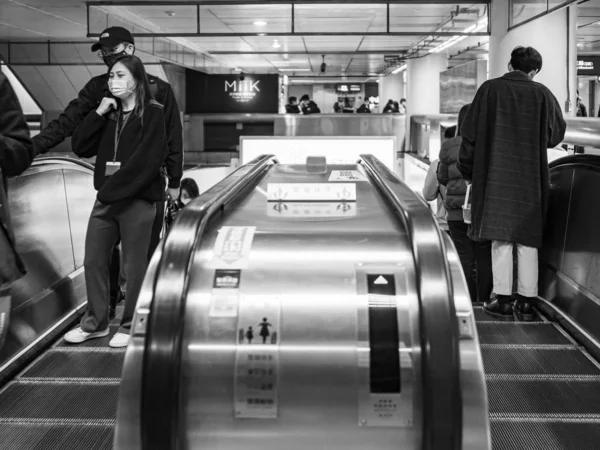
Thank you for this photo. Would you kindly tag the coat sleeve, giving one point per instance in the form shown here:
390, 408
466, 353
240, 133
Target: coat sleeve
556, 123
143, 165
442, 171
86, 138
64, 126
468, 131
16, 148
431, 188
174, 160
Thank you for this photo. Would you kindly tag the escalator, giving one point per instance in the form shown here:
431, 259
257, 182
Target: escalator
543, 387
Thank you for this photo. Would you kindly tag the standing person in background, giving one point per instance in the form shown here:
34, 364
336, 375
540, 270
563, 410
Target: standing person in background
115, 43
127, 134
307, 106
364, 108
475, 257
506, 133
16, 154
432, 190
292, 106
347, 107
402, 106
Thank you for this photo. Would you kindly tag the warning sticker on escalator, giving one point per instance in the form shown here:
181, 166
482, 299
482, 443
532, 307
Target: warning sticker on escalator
346, 175
257, 357
232, 247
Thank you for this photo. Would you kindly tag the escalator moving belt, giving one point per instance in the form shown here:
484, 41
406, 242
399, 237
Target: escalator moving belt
65, 400
543, 390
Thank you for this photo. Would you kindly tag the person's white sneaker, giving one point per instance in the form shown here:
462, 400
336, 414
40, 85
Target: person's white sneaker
119, 340
77, 336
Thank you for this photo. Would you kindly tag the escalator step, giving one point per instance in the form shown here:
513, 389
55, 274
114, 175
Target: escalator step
55, 437
59, 364
520, 435
59, 401
528, 361
481, 316
543, 398
511, 333
100, 342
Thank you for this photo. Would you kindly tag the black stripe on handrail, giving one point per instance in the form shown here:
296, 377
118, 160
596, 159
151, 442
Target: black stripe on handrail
440, 353
161, 367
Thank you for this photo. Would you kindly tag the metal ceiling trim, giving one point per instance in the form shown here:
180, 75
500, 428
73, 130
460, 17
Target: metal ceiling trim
280, 2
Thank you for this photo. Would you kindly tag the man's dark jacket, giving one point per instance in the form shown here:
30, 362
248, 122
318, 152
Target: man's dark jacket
505, 136
16, 154
89, 99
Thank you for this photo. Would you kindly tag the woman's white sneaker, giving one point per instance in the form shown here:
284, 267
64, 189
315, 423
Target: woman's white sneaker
119, 340
77, 336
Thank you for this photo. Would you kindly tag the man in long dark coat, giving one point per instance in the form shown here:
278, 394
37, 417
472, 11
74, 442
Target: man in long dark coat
506, 133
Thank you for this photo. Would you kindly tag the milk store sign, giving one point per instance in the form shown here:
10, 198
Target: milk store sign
242, 91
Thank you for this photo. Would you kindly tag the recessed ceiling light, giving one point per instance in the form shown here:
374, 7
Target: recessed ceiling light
262, 34
170, 13
276, 44
260, 23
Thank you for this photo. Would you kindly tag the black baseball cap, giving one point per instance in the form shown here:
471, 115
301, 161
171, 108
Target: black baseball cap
113, 36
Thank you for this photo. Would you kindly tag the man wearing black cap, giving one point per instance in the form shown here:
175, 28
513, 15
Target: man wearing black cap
114, 43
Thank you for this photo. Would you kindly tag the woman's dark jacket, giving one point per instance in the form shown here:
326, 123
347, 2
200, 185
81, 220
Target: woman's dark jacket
448, 175
141, 151
16, 154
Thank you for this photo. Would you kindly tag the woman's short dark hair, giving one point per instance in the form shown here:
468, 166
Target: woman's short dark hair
190, 186
526, 59
292, 99
142, 85
402, 100
305, 98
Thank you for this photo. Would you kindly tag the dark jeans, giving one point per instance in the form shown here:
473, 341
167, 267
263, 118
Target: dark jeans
476, 261
133, 224
157, 226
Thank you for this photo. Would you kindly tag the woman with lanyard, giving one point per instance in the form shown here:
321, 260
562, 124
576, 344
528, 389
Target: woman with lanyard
127, 135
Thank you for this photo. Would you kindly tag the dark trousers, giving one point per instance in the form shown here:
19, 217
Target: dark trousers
157, 226
5, 310
476, 261
133, 224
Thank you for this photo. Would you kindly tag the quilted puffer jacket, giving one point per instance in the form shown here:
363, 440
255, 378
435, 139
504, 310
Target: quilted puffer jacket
448, 175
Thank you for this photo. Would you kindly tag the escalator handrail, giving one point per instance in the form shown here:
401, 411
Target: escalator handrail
40, 160
440, 355
583, 159
161, 367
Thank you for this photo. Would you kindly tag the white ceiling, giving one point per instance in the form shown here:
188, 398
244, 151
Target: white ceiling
67, 20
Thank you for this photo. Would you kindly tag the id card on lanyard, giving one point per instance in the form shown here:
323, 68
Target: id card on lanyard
114, 165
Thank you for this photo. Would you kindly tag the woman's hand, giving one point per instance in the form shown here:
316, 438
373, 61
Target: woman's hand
106, 105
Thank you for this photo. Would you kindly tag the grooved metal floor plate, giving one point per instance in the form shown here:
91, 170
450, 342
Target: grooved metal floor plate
510, 333
55, 437
527, 361
513, 398
56, 364
99, 342
481, 316
545, 436
59, 401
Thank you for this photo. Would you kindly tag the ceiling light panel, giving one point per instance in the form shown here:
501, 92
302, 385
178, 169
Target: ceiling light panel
340, 17
242, 18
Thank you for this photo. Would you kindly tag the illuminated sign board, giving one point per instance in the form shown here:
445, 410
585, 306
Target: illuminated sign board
588, 65
348, 88
231, 93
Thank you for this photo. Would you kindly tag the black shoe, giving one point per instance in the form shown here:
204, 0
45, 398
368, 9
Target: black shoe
501, 307
112, 312
523, 309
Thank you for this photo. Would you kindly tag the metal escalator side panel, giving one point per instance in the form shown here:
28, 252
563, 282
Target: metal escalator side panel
160, 403
476, 424
440, 354
308, 266
127, 430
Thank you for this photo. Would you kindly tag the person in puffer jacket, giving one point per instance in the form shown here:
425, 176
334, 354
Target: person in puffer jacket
475, 257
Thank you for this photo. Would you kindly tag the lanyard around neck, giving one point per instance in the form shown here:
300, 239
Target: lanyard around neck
119, 132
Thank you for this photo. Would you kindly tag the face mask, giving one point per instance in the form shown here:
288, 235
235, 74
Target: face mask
111, 59
119, 88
